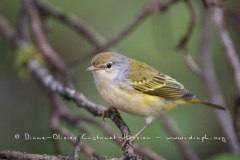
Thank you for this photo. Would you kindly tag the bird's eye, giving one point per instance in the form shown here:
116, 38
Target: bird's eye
109, 65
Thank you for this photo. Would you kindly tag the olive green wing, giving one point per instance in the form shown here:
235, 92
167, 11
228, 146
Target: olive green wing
149, 81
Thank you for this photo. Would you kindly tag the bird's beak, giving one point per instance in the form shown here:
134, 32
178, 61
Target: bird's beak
92, 68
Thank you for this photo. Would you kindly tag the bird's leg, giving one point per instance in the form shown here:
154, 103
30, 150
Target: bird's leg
131, 139
104, 113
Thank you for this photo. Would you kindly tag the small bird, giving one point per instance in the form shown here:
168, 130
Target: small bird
138, 89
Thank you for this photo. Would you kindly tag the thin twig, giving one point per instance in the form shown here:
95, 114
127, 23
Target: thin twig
114, 115
236, 114
232, 57
22, 25
76, 148
75, 23
41, 38
56, 144
228, 45
55, 126
210, 80
148, 10
185, 39
26, 156
192, 64
43, 75
8, 31
185, 148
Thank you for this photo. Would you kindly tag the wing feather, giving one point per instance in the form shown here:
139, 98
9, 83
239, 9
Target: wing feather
156, 83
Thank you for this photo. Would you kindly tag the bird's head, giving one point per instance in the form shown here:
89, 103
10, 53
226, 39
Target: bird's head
109, 65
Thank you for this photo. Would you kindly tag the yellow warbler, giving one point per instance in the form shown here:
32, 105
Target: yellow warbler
137, 88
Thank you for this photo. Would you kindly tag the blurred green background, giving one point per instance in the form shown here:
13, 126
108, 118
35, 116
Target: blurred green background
24, 108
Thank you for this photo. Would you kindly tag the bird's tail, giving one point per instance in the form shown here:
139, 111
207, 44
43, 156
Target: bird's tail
196, 100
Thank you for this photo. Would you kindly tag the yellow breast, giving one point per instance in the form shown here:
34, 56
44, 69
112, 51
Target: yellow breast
127, 99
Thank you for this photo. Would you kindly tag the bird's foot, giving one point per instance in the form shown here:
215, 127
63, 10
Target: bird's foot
128, 140
104, 113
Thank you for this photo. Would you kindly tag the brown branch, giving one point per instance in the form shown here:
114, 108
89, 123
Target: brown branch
148, 10
114, 115
48, 81
74, 22
41, 38
185, 148
191, 64
26, 156
65, 133
56, 144
185, 39
228, 46
8, 31
76, 148
22, 25
232, 58
236, 114
57, 128
211, 83
148, 153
